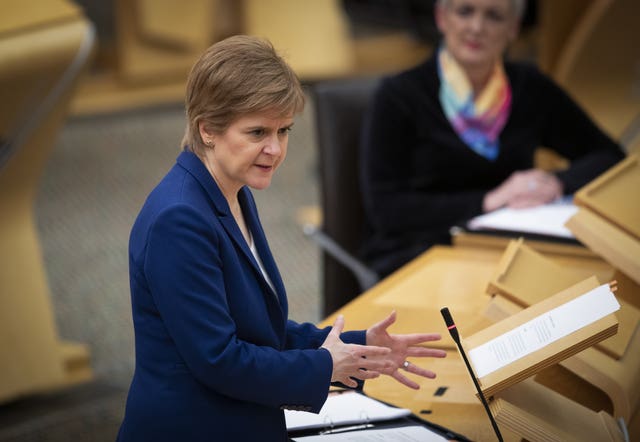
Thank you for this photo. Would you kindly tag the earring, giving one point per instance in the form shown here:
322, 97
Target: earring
208, 142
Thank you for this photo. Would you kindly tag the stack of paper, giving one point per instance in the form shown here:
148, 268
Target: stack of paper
548, 220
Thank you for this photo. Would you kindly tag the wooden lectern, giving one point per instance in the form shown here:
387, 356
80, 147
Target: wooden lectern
528, 408
608, 222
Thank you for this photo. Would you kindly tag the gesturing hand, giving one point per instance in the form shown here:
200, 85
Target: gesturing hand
352, 360
401, 347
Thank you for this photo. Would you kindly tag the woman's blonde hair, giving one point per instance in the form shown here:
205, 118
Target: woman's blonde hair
234, 77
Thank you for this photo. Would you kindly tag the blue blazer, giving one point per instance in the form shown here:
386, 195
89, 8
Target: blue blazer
216, 357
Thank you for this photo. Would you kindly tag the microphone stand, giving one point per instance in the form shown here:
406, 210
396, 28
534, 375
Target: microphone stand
448, 319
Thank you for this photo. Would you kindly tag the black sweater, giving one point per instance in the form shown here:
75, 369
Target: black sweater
418, 178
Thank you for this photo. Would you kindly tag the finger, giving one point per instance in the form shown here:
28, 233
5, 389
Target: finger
426, 352
376, 365
398, 376
417, 370
338, 325
386, 322
370, 350
526, 200
523, 203
417, 338
366, 374
349, 382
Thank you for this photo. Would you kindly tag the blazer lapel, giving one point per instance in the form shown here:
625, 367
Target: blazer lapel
260, 241
192, 163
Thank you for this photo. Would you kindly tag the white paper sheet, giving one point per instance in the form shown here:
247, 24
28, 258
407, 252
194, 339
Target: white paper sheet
543, 330
344, 409
548, 219
399, 434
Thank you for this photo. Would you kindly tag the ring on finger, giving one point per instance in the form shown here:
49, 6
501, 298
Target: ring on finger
405, 365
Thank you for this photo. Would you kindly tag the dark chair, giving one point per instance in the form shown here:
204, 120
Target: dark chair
339, 108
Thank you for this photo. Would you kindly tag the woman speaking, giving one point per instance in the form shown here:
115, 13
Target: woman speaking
216, 357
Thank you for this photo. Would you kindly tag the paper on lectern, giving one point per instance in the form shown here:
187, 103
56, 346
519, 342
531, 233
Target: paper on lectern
543, 330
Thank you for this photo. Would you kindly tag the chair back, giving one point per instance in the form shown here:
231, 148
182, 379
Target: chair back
340, 107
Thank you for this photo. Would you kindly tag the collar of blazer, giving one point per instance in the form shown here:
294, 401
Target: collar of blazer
197, 169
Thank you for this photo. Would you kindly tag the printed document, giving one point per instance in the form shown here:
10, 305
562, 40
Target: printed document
412, 433
543, 330
344, 409
548, 219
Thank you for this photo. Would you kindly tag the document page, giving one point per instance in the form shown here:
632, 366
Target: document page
548, 219
400, 434
543, 330
344, 409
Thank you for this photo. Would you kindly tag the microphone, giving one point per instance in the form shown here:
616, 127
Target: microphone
453, 331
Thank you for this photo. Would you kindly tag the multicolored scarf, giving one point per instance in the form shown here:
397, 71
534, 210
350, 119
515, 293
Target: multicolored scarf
477, 120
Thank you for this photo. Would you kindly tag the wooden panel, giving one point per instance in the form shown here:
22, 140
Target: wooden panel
556, 21
145, 62
616, 246
598, 65
34, 106
518, 276
185, 25
15, 18
418, 290
312, 35
613, 195
537, 413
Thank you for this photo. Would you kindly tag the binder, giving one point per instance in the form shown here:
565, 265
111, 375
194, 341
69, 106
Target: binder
352, 411
545, 221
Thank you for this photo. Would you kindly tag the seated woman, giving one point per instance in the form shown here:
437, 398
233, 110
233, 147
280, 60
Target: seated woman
455, 136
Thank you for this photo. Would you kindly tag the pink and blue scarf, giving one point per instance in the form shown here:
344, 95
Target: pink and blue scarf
479, 120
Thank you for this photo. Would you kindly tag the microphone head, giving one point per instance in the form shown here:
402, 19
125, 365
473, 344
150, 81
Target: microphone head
447, 316
451, 326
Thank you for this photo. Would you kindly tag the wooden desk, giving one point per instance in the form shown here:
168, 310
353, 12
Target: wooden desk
443, 276
455, 277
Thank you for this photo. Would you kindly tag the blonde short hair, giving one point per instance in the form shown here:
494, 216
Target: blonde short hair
237, 76
517, 5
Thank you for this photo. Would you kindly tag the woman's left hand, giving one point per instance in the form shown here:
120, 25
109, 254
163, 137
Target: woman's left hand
524, 188
402, 347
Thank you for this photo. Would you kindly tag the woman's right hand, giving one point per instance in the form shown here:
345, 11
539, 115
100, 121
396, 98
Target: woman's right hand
352, 360
525, 188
